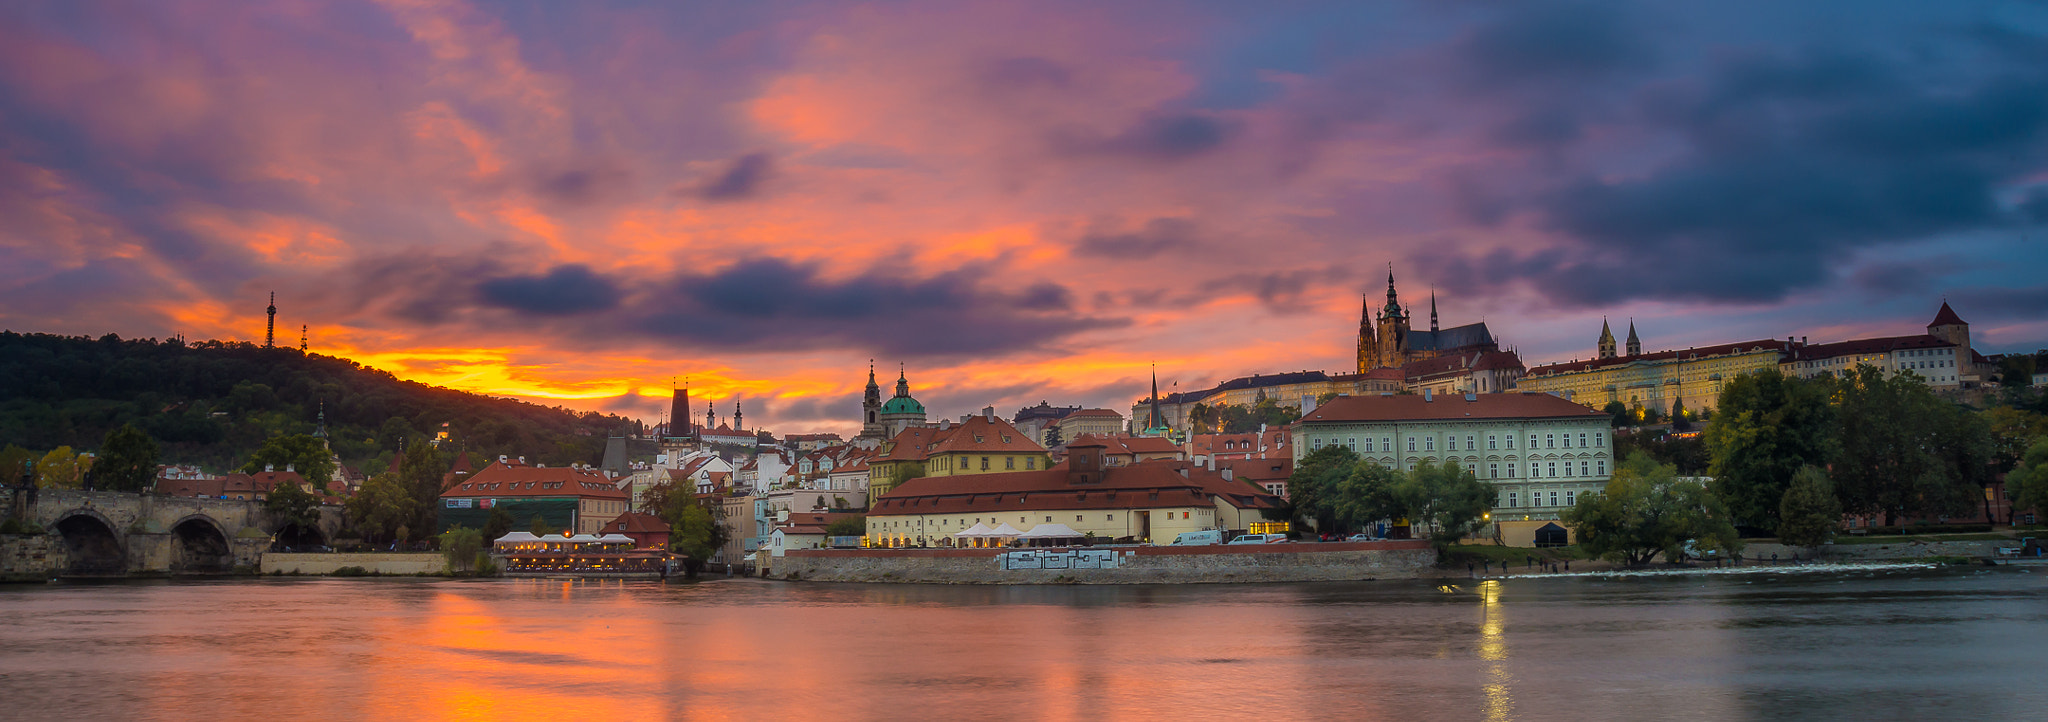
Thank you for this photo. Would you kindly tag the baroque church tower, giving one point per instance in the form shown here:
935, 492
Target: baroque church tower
1635, 345
1606, 340
871, 408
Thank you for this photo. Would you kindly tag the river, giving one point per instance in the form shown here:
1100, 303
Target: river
1848, 643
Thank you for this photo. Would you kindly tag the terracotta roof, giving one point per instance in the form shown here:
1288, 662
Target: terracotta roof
1946, 317
1096, 412
1144, 485
1778, 345
984, 434
910, 444
516, 479
1866, 346
1409, 407
637, 522
1258, 470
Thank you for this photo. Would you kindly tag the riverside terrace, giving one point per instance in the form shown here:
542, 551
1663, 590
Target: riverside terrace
584, 555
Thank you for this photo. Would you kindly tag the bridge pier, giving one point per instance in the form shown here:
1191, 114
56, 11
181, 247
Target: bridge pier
115, 534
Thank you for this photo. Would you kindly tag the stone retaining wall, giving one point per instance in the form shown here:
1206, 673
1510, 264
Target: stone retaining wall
1902, 550
1132, 565
29, 557
372, 562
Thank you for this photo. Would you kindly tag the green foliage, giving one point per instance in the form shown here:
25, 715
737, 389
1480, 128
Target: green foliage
381, 508
1646, 510
299, 452
1312, 490
498, 524
127, 461
420, 473
1366, 493
1234, 419
847, 526
1053, 437
1689, 454
1766, 427
539, 526
15, 462
1444, 499
293, 506
1809, 514
1679, 420
1905, 451
2028, 482
60, 469
214, 404
1622, 416
461, 546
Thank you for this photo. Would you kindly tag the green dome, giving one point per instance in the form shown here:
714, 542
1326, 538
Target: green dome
903, 405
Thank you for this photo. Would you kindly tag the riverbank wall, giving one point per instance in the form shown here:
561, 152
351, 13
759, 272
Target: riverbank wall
404, 563
1340, 561
1905, 550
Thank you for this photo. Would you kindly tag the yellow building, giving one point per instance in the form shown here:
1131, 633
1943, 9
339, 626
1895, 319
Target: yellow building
1148, 502
1655, 380
981, 444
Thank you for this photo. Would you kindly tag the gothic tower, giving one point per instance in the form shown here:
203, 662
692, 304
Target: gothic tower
679, 413
1368, 346
1635, 345
1432, 311
270, 330
1606, 340
1393, 327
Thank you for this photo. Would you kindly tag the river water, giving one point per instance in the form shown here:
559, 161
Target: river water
1883, 642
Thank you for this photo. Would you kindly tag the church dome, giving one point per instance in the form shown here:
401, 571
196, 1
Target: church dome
903, 405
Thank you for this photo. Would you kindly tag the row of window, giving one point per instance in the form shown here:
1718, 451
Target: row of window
1586, 440
1536, 499
964, 524
947, 463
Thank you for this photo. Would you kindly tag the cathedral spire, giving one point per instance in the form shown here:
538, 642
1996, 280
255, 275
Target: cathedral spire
1393, 308
270, 330
1432, 310
1154, 421
1606, 339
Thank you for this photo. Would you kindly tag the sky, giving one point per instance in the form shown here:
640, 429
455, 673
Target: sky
585, 203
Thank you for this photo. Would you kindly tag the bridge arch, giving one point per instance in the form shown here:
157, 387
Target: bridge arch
199, 545
92, 544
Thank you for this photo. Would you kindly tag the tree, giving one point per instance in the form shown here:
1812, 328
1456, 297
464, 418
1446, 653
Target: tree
293, 506
1767, 427
381, 507
498, 524
2028, 481
462, 547
1903, 450
16, 463
59, 469
1053, 437
847, 526
299, 452
1678, 420
1646, 510
2012, 430
1620, 412
539, 526
1445, 499
420, 473
127, 461
1809, 514
1365, 495
1312, 490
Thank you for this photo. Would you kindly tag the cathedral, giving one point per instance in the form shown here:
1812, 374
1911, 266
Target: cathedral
1386, 341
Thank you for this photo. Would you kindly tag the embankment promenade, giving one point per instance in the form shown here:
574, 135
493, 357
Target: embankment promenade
1340, 561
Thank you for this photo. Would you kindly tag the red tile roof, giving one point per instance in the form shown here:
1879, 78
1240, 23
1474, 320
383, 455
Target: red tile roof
1946, 317
984, 434
1259, 470
1866, 346
516, 479
638, 522
1144, 485
1105, 413
1408, 407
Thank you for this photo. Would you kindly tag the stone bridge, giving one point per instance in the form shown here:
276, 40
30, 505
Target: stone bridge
115, 534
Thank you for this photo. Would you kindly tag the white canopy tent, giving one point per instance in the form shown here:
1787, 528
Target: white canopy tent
1051, 531
978, 530
516, 537
1006, 531
615, 539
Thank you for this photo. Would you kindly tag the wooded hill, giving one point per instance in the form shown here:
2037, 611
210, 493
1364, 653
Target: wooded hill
213, 403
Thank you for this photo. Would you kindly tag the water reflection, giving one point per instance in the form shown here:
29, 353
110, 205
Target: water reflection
1885, 642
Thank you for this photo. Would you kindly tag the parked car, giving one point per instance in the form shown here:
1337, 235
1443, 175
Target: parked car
1361, 536
1197, 538
1260, 539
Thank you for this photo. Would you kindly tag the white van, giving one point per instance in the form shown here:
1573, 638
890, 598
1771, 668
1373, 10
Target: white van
1198, 538
1260, 539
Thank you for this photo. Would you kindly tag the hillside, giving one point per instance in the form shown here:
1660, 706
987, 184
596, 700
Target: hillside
212, 403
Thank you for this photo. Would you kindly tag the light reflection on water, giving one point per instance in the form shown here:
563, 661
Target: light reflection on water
1882, 640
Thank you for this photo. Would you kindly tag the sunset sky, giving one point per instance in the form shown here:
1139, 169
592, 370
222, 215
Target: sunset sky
577, 202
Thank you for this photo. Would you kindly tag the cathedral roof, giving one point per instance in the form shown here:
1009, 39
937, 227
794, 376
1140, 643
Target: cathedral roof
1456, 337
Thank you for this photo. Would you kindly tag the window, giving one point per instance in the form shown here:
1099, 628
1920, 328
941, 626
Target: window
1582, 439
1553, 498
1568, 499
1112, 517
1532, 441
1009, 462
1429, 444
1352, 444
1511, 470
1318, 443
1552, 470
1411, 443
1603, 467
1492, 471
1077, 517
1492, 442
984, 463
1600, 441
1511, 441
1585, 468
1549, 442
1387, 444
1567, 441
1471, 444
1030, 462
1511, 499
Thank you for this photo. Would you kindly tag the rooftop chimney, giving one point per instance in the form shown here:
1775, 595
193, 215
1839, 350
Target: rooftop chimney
1229, 474
988, 412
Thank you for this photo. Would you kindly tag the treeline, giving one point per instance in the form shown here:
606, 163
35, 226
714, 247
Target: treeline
1239, 419
215, 404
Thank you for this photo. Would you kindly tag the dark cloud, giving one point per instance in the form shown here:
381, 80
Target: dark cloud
2028, 304
1554, 42
774, 304
563, 291
1793, 164
581, 186
1160, 235
1163, 137
1896, 277
742, 179
1284, 291
2034, 208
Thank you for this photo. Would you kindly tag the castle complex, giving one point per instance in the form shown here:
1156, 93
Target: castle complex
1385, 340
